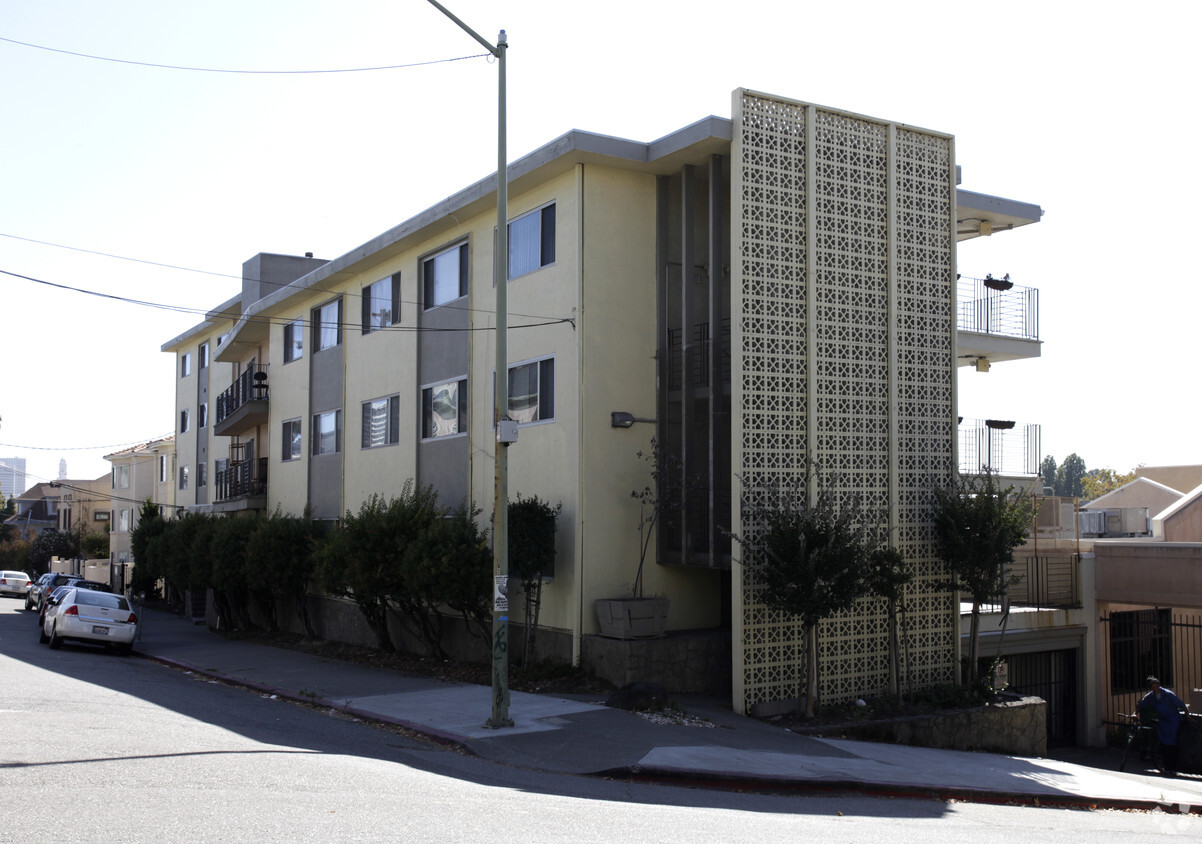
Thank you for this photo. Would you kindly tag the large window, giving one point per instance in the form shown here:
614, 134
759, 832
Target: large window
444, 276
327, 326
291, 440
382, 304
185, 364
381, 421
1141, 644
122, 477
183, 477
532, 241
123, 521
327, 432
444, 409
532, 391
294, 341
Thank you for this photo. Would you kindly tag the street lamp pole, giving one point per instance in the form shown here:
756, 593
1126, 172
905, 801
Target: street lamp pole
506, 432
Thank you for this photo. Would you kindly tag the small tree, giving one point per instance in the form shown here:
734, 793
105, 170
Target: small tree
888, 575
532, 528
231, 590
977, 527
662, 500
50, 543
810, 554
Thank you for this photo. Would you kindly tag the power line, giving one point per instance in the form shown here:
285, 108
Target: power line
238, 71
79, 447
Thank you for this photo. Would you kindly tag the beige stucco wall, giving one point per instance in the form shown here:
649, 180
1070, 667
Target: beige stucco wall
1150, 573
1181, 478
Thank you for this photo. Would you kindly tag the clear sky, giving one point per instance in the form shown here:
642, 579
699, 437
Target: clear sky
1087, 111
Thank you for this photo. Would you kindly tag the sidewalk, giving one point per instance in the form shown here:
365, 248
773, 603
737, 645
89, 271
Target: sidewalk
580, 736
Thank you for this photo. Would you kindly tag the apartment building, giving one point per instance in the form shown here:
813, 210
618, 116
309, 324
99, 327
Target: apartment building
750, 292
145, 472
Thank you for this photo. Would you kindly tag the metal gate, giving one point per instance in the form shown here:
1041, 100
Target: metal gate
1051, 675
1137, 643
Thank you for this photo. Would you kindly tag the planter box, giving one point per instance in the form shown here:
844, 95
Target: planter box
632, 618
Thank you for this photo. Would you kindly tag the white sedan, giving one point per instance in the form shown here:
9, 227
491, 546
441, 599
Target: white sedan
14, 583
84, 615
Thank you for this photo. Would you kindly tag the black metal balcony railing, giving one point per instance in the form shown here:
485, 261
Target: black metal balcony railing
250, 385
1045, 582
985, 444
1013, 312
242, 479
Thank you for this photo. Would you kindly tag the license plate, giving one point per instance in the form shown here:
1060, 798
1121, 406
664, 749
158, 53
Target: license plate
100, 631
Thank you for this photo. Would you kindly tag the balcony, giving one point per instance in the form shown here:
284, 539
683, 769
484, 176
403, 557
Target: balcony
1005, 448
243, 486
996, 320
243, 406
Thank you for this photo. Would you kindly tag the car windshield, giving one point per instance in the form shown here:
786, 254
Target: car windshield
101, 599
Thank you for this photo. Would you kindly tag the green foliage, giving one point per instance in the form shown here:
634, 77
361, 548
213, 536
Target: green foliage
977, 527
95, 546
148, 567
1069, 476
14, 554
229, 573
361, 559
1047, 469
50, 543
448, 563
887, 575
1099, 482
661, 500
531, 528
280, 561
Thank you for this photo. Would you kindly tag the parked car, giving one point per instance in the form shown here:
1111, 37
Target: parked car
52, 598
87, 615
14, 583
43, 586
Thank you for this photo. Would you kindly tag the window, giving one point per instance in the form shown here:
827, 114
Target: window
327, 326
1141, 644
202, 355
381, 422
532, 241
162, 468
183, 421
444, 276
291, 440
327, 432
294, 341
223, 338
185, 365
532, 391
444, 409
202, 475
123, 522
202, 417
122, 477
382, 304
183, 477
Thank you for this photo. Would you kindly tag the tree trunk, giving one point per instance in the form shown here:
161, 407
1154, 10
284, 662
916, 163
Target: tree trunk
974, 644
893, 650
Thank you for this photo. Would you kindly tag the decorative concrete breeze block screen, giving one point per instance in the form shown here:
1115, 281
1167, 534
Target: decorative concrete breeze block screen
843, 297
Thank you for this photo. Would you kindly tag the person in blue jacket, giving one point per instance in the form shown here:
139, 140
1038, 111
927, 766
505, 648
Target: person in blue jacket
1169, 708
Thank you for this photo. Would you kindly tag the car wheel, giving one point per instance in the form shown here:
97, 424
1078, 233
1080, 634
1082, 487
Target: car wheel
55, 641
42, 637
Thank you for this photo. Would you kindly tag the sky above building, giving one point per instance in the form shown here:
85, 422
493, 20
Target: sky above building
195, 168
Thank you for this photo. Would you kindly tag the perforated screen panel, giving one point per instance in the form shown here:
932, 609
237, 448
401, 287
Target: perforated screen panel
843, 297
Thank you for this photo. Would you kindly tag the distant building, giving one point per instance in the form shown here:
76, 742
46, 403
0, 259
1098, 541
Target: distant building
12, 476
62, 469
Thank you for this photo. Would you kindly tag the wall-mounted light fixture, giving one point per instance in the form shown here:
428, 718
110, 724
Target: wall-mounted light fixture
982, 364
621, 419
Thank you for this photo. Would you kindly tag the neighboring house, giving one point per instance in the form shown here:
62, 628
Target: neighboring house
750, 292
1146, 493
1182, 477
141, 473
76, 506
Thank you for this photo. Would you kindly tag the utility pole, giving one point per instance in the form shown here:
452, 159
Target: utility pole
506, 429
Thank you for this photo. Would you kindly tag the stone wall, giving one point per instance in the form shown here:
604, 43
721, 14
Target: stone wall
1013, 727
683, 661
